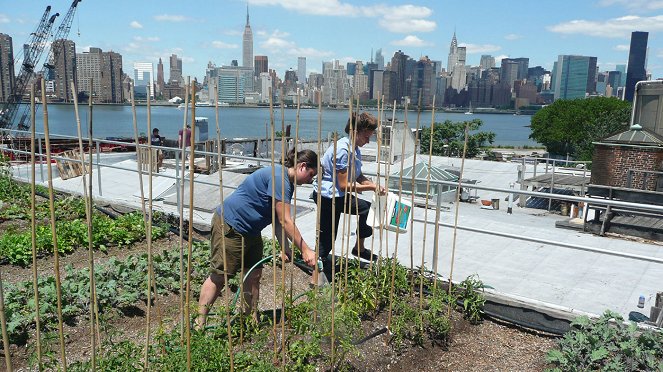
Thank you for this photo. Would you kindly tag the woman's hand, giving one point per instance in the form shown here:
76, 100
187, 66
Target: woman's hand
380, 190
308, 255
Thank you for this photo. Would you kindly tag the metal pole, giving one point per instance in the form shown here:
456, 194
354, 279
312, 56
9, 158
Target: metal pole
41, 162
99, 167
436, 236
510, 208
552, 185
177, 178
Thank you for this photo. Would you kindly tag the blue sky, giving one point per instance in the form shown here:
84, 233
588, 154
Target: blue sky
200, 31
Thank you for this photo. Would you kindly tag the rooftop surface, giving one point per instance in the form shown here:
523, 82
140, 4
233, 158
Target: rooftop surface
537, 269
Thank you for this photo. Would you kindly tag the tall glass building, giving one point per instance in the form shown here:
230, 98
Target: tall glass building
637, 57
574, 76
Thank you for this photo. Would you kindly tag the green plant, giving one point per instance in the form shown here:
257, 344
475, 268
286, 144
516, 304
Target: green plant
469, 293
607, 344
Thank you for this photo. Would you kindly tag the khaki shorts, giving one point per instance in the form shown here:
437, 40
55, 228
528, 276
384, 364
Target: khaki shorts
252, 249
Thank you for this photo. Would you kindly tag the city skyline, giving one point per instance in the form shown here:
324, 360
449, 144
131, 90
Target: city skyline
330, 30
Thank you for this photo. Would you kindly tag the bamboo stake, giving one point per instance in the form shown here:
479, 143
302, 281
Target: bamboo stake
453, 245
414, 166
333, 294
190, 242
284, 174
33, 224
316, 272
89, 185
51, 197
150, 272
388, 171
223, 221
386, 184
273, 134
88, 217
345, 241
3, 322
379, 142
356, 193
398, 222
181, 207
423, 245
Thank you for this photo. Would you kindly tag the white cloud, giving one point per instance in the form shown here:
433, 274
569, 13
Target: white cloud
513, 37
171, 18
4, 18
277, 44
398, 19
611, 28
480, 48
411, 41
135, 24
635, 4
222, 45
498, 59
622, 47
149, 39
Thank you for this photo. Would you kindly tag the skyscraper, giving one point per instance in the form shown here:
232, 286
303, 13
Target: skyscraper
456, 64
247, 43
379, 59
301, 70
88, 70
143, 78
574, 76
175, 70
637, 57
398, 64
160, 78
111, 77
261, 65
65, 68
487, 62
6, 67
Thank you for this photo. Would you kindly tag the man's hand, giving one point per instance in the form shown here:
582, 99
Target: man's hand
308, 255
285, 256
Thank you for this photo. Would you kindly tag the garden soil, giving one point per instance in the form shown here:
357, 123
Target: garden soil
487, 346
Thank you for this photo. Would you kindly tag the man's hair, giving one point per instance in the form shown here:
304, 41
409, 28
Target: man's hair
155, 130
361, 122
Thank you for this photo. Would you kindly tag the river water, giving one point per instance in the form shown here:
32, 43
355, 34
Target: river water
116, 121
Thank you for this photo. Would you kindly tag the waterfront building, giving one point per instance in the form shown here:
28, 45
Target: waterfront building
315, 80
487, 62
160, 78
397, 82
290, 81
261, 65
637, 59
175, 77
351, 67
379, 59
64, 53
301, 70
369, 71
266, 83
99, 75
247, 44
144, 79
574, 76
376, 89
359, 83
614, 80
336, 89
7, 76
423, 81
234, 83
513, 69
622, 70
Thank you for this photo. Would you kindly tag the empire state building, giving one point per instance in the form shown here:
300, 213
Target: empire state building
247, 43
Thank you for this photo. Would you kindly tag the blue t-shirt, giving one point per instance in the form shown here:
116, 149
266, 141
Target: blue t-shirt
342, 159
249, 209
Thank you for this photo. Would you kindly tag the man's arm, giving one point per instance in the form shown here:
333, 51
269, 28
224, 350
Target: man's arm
283, 214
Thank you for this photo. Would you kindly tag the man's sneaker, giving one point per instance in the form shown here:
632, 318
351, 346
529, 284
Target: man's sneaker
366, 254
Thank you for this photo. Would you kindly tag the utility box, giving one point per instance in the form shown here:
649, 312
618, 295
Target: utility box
202, 129
649, 106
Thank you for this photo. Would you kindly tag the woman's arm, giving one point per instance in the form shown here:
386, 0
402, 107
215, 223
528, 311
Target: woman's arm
283, 214
362, 183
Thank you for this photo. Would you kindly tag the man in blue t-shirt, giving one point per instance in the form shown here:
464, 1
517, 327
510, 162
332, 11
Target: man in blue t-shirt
237, 225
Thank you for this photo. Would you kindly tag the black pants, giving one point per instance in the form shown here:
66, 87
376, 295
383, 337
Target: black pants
355, 206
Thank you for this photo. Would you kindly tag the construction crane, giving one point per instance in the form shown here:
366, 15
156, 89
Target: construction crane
30, 59
54, 52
